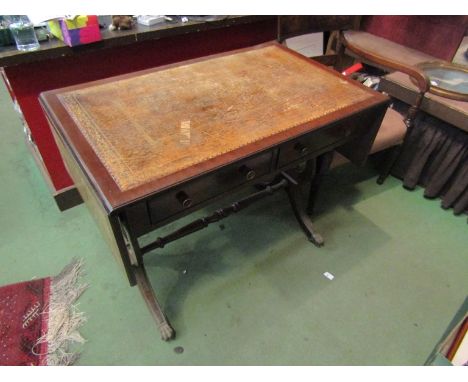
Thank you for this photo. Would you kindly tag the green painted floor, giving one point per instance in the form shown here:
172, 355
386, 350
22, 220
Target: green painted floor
252, 292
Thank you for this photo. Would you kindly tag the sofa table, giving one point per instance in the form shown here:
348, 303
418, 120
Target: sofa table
147, 148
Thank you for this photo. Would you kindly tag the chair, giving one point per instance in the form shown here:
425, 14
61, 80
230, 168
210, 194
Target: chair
438, 36
400, 43
389, 56
372, 50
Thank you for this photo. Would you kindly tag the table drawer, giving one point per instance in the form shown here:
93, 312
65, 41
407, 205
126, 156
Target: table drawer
198, 190
315, 141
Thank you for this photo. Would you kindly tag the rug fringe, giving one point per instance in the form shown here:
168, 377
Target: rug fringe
64, 319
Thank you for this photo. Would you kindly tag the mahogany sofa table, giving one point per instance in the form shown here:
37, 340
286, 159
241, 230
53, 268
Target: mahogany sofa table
147, 148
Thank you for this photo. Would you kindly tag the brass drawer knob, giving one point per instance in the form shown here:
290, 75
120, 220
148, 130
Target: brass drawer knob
301, 149
247, 172
183, 198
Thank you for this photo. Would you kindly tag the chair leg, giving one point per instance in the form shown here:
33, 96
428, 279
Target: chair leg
389, 162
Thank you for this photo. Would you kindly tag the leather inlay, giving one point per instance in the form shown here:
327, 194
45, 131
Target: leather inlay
153, 125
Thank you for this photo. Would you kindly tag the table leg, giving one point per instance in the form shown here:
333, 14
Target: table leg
144, 284
322, 167
295, 198
165, 328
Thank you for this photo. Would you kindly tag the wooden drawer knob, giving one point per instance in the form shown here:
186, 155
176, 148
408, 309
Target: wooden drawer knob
183, 198
301, 149
247, 172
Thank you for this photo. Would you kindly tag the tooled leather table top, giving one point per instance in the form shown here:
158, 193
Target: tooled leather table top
152, 125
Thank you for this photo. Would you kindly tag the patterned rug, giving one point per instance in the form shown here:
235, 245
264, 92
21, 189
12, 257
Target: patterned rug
39, 321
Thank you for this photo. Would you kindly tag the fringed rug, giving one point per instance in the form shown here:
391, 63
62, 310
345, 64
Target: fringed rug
39, 321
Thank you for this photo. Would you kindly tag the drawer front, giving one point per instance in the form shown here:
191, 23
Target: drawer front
315, 141
199, 190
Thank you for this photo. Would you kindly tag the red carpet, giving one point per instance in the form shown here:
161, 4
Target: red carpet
38, 322
21, 322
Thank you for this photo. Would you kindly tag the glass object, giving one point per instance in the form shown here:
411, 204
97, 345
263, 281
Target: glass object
447, 79
23, 32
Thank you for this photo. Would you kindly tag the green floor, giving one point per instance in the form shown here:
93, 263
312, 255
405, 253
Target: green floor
252, 291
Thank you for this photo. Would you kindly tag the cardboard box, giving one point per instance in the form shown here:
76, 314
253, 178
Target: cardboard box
78, 30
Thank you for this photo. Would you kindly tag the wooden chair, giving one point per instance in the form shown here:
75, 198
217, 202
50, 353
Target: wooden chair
400, 43
372, 50
390, 56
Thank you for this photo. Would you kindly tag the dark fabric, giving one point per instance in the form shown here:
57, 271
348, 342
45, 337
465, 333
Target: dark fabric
435, 156
439, 36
